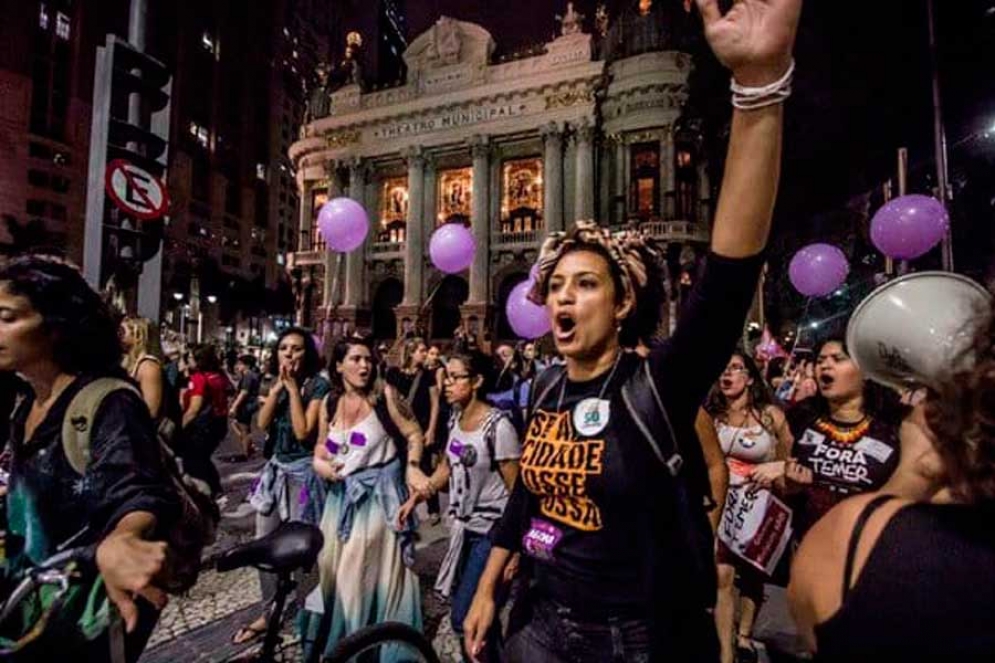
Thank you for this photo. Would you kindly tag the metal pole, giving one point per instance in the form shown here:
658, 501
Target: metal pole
903, 184
940, 137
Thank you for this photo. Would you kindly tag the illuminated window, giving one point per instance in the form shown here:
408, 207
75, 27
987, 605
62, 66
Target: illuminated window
200, 133
455, 196
62, 25
394, 210
522, 196
208, 42
645, 187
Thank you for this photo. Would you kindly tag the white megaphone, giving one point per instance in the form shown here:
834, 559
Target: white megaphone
912, 331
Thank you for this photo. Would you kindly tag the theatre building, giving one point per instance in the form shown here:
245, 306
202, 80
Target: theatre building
584, 127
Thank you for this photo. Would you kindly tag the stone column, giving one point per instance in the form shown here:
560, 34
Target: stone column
620, 193
414, 248
584, 191
668, 175
328, 297
552, 177
480, 150
306, 217
356, 260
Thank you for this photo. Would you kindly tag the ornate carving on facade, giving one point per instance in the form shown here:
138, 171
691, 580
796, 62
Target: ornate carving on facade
572, 22
343, 138
444, 48
568, 98
318, 103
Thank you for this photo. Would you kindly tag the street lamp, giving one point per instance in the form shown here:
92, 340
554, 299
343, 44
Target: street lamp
178, 296
213, 299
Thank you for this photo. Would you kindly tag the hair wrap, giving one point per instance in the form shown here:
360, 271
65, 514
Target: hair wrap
628, 249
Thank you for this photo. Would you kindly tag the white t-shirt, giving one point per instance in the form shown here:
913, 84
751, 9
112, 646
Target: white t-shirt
475, 484
364, 445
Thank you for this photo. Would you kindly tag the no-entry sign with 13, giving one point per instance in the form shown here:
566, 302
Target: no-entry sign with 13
136, 191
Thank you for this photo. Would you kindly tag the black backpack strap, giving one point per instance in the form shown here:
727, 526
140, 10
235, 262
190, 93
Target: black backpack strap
635, 393
490, 434
858, 529
543, 384
400, 442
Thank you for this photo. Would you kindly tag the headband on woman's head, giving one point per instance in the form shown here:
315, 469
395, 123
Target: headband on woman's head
628, 249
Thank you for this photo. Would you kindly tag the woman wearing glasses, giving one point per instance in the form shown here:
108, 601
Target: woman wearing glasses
756, 441
480, 468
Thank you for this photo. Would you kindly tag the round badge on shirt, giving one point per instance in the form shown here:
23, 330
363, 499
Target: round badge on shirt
591, 416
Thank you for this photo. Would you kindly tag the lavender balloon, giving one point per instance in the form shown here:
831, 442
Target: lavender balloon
818, 269
344, 224
908, 227
452, 248
527, 320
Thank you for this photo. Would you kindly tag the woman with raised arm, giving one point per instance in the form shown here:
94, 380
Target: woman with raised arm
610, 501
365, 564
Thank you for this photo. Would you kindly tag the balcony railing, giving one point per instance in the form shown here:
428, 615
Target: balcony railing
382, 249
675, 231
525, 238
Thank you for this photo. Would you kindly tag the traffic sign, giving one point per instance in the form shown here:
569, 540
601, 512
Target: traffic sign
136, 191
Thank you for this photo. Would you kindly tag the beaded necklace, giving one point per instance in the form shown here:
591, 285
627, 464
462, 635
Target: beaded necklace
847, 435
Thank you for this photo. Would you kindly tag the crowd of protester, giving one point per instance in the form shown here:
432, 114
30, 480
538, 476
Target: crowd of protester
601, 487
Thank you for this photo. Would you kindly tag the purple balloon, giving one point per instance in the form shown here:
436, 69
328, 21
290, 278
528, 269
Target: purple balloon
818, 269
527, 320
452, 248
344, 224
909, 226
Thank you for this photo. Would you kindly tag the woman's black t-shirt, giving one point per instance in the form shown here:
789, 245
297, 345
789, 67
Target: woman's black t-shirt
585, 505
845, 459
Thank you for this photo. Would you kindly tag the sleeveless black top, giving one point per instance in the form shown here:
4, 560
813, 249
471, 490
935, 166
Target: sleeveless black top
926, 593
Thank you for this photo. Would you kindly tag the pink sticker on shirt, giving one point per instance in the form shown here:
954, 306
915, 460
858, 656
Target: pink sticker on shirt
541, 540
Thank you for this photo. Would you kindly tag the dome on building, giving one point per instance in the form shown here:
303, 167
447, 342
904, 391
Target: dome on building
646, 26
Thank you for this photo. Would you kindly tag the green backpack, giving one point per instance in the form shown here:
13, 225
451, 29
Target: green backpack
197, 527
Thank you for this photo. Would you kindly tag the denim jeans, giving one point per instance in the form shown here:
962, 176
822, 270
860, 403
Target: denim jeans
554, 635
476, 550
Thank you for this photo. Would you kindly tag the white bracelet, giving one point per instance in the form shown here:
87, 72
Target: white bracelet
752, 98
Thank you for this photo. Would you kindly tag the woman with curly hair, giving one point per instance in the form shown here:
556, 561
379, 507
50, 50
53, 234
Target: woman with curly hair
61, 337
755, 440
883, 578
609, 507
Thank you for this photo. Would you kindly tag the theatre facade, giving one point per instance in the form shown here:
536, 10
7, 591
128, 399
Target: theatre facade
513, 148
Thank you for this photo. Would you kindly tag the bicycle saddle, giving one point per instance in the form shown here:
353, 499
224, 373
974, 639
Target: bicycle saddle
291, 546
